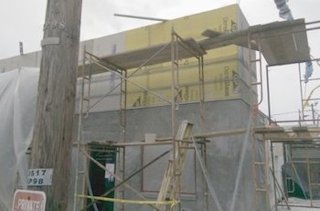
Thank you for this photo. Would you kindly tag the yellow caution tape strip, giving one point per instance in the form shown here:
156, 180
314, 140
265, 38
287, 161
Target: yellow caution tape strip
172, 203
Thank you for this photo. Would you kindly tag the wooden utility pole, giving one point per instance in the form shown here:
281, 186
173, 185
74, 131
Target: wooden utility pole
52, 135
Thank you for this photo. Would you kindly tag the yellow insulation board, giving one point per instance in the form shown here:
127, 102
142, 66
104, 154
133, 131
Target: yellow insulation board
221, 82
220, 77
223, 20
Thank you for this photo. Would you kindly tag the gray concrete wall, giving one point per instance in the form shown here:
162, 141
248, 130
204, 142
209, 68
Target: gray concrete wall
223, 153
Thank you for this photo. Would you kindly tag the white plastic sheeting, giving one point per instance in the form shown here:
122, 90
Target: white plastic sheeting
284, 10
18, 90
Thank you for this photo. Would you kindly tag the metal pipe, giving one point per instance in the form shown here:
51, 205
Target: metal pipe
260, 68
206, 187
304, 162
274, 183
294, 121
279, 188
268, 94
201, 93
164, 140
206, 175
309, 181
313, 114
312, 22
79, 132
301, 206
173, 115
261, 80
311, 79
213, 134
301, 92
312, 28
140, 17
124, 172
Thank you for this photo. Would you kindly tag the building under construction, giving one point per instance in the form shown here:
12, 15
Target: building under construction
168, 118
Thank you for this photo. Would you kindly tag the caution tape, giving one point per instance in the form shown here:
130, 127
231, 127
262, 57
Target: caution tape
172, 203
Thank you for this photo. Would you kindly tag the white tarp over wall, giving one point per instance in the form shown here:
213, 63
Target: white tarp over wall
18, 90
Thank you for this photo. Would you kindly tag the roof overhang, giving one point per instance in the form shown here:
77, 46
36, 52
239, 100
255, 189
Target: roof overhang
280, 42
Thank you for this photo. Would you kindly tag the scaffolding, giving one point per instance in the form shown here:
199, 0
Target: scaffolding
295, 51
177, 49
304, 133
256, 38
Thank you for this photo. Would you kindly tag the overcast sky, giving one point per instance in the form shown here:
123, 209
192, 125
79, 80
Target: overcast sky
22, 20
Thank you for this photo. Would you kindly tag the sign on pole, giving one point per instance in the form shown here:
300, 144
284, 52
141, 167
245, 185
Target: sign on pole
40, 177
27, 200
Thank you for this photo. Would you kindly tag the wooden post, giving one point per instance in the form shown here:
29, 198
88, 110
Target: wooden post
52, 135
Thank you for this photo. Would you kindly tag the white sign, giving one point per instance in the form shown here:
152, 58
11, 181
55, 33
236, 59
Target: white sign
109, 173
26, 200
40, 177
